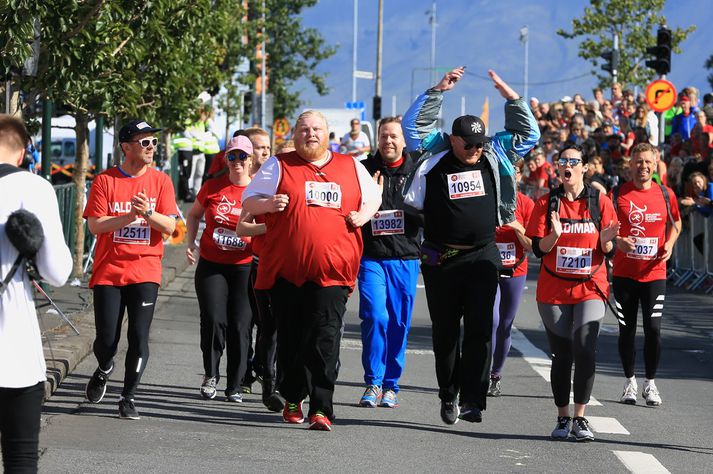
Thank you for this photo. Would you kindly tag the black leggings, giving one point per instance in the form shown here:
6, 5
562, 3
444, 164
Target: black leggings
139, 300
266, 345
222, 292
572, 330
20, 410
628, 293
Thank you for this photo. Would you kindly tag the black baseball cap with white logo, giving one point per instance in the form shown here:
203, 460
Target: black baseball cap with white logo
471, 129
134, 128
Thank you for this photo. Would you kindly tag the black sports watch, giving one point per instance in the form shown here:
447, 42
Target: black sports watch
148, 213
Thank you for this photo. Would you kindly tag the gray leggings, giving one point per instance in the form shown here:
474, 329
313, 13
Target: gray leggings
573, 330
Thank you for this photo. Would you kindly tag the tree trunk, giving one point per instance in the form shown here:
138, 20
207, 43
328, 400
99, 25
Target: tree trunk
79, 178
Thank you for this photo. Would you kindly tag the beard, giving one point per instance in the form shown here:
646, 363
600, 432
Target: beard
312, 151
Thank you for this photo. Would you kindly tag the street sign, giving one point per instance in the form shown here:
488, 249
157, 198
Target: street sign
661, 95
281, 127
364, 74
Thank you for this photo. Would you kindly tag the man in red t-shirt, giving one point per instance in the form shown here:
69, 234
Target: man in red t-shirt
649, 228
314, 202
130, 206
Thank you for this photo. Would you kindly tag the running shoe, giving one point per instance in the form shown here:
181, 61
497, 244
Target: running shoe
208, 387
319, 422
651, 394
389, 399
127, 410
494, 388
292, 413
371, 396
581, 430
234, 397
471, 413
96, 387
450, 412
629, 395
563, 427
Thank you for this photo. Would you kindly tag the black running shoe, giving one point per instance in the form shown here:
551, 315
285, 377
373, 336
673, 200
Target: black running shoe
450, 412
96, 387
494, 388
471, 413
127, 410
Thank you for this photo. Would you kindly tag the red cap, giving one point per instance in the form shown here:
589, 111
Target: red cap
685, 98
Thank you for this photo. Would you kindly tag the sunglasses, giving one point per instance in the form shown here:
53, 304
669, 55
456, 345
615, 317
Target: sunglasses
242, 156
547, 143
572, 161
145, 142
469, 146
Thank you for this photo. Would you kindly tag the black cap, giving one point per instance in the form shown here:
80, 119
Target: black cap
471, 129
134, 128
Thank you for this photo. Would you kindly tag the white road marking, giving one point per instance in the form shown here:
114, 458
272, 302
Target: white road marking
638, 462
538, 360
604, 424
355, 345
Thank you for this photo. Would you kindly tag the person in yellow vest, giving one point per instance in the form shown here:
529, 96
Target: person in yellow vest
184, 147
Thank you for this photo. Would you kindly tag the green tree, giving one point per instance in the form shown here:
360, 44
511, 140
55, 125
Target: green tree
635, 22
709, 66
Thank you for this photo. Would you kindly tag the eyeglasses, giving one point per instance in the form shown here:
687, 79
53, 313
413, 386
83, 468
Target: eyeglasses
242, 156
572, 161
469, 146
145, 142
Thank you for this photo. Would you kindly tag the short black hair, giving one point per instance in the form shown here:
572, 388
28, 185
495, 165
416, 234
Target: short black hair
569, 145
239, 133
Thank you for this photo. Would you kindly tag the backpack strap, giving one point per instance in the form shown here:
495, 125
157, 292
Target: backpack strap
553, 204
667, 200
593, 205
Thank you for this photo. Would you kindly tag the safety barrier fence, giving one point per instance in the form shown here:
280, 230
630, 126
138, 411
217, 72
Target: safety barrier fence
67, 198
692, 259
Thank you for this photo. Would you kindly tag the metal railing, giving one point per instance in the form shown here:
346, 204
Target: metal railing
66, 199
692, 260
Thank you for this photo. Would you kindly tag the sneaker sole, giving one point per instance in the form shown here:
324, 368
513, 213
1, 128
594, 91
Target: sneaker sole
124, 417
471, 418
319, 426
584, 439
494, 394
654, 404
559, 438
275, 405
388, 405
99, 399
207, 396
293, 422
367, 404
628, 402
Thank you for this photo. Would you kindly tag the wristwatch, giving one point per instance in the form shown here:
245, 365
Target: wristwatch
148, 213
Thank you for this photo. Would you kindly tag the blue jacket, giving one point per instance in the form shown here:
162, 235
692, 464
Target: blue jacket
506, 148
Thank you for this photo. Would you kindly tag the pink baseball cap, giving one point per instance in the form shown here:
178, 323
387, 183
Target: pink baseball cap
240, 142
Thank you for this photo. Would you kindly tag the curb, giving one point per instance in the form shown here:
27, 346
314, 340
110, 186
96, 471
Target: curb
64, 350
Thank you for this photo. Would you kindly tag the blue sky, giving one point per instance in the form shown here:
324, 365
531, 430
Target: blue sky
480, 34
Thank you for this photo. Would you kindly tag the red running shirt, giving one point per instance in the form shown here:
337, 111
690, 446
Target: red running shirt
643, 216
576, 253
510, 248
219, 242
133, 253
310, 240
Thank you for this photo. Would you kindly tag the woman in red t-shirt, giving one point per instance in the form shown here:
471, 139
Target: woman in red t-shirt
572, 285
221, 277
512, 244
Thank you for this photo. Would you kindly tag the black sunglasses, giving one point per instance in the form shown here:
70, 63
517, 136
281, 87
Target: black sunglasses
242, 156
572, 161
468, 146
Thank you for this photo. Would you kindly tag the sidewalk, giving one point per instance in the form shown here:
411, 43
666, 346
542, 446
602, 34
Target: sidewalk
64, 349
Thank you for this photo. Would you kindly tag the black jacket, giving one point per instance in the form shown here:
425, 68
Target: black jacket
404, 246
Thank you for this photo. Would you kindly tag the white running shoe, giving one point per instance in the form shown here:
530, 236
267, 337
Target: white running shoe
629, 395
651, 394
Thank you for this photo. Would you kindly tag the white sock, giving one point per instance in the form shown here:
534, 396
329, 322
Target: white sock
632, 379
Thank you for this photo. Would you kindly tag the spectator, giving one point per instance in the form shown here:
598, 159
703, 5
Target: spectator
646, 118
599, 96
675, 169
700, 196
356, 141
684, 122
596, 176
333, 143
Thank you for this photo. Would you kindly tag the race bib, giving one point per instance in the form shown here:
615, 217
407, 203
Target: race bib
574, 260
227, 239
645, 248
388, 223
507, 253
136, 233
466, 184
323, 194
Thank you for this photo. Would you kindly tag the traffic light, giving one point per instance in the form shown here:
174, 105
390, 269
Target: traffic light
661, 52
612, 61
376, 107
247, 106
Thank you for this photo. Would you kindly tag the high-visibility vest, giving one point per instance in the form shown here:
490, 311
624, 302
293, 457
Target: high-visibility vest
211, 146
182, 143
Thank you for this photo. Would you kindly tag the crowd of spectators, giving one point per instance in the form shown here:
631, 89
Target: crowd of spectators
607, 130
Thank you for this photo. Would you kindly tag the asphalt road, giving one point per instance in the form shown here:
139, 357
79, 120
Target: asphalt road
180, 432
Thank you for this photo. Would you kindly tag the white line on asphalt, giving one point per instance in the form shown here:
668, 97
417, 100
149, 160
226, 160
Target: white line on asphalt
638, 462
604, 424
538, 360
355, 344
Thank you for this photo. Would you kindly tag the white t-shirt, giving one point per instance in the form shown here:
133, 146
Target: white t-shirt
351, 144
22, 361
265, 182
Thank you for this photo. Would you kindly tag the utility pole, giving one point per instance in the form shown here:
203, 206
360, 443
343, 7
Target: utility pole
376, 109
525, 38
263, 72
432, 22
354, 51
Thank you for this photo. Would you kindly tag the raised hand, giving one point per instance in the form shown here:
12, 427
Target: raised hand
448, 81
609, 232
505, 90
